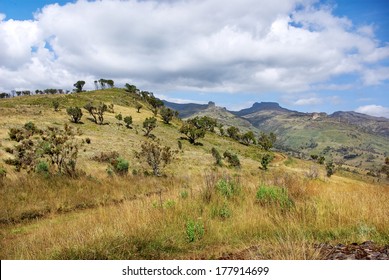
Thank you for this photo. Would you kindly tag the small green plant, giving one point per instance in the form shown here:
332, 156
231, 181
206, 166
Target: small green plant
194, 230
184, 194
223, 212
227, 187
272, 195
42, 168
120, 166
169, 204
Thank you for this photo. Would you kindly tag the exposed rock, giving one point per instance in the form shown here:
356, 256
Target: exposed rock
367, 250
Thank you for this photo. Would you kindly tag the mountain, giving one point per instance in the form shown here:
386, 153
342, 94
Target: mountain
356, 139
260, 107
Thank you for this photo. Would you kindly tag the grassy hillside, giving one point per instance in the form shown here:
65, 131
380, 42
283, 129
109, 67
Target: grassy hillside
196, 210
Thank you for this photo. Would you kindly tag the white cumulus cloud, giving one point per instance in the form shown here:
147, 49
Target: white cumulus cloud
213, 45
374, 110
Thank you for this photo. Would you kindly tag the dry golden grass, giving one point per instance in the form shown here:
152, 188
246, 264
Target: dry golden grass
98, 216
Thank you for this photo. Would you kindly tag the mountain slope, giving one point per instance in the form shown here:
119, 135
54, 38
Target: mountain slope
356, 139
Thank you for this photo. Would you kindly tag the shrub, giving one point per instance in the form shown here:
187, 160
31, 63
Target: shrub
119, 117
55, 105
232, 159
330, 168
227, 187
55, 145
192, 132
42, 167
120, 166
75, 114
156, 156
248, 138
138, 106
149, 124
265, 160
272, 195
128, 121
216, 155
233, 132
167, 114
194, 230
87, 140
223, 212
266, 141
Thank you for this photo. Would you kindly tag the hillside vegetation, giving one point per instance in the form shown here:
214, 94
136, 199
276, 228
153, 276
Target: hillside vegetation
114, 206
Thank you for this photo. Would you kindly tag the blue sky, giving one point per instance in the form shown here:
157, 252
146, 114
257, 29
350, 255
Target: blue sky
307, 55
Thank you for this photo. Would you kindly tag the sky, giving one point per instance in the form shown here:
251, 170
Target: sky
307, 55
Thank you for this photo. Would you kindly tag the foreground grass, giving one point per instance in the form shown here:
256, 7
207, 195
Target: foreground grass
154, 226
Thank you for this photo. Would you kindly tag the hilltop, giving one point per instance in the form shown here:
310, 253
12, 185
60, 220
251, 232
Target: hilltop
195, 209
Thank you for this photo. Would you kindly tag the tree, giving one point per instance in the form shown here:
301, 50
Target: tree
138, 106
110, 83
233, 132
266, 141
192, 132
97, 112
248, 138
79, 85
167, 114
128, 121
232, 159
149, 124
131, 88
154, 102
75, 114
155, 155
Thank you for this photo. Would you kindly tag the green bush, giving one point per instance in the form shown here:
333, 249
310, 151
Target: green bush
42, 167
216, 155
223, 212
194, 230
120, 166
184, 194
75, 114
272, 195
232, 159
227, 187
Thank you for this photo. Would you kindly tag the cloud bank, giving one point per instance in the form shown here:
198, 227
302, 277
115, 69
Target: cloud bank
214, 45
